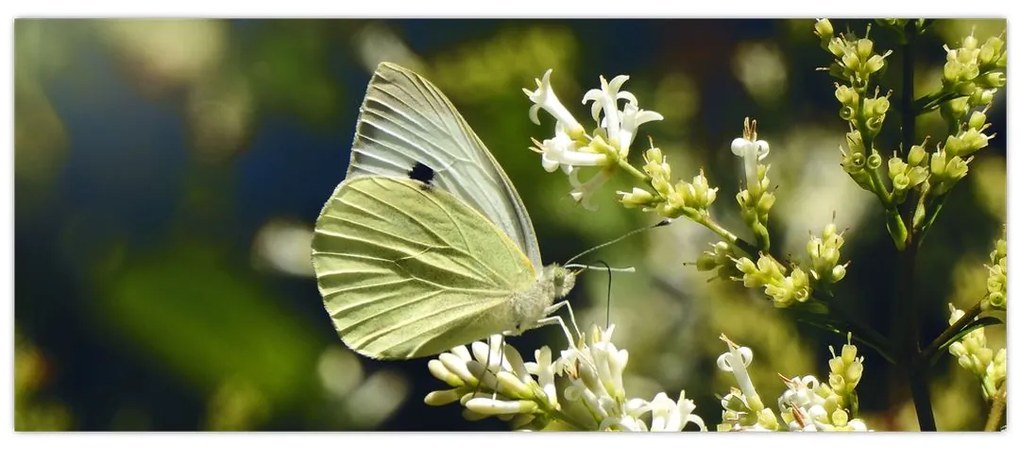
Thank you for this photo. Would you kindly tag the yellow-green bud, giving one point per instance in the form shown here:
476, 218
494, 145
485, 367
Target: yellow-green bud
982, 97
938, 164
874, 64
851, 61
917, 155
823, 29
896, 167
993, 79
846, 95
864, 48
653, 155
970, 42
637, 197
977, 120
956, 168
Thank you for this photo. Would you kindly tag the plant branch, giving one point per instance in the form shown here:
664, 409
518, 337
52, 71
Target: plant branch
907, 306
745, 246
998, 408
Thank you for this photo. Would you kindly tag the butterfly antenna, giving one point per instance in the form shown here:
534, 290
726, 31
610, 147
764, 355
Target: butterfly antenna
609, 289
624, 236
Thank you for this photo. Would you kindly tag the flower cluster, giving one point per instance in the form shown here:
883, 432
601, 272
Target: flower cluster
824, 254
906, 175
949, 162
572, 146
996, 297
755, 199
720, 257
785, 290
865, 112
806, 405
856, 60
493, 380
690, 199
582, 388
974, 355
974, 71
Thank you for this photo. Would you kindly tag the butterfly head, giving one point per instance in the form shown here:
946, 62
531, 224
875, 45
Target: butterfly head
562, 279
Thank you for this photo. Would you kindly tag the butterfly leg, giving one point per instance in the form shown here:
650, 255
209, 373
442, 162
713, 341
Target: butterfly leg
570, 310
556, 319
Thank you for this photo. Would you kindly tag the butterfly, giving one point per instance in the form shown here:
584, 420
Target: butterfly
425, 245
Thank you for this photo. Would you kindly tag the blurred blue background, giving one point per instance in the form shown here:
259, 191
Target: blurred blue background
168, 174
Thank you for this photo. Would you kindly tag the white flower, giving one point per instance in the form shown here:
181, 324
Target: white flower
605, 103
736, 361
620, 127
544, 98
669, 416
800, 392
752, 151
545, 369
632, 118
561, 150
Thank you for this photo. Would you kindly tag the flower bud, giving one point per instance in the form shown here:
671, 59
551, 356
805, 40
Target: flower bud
990, 51
637, 197
488, 406
851, 61
917, 155
442, 397
854, 142
864, 48
938, 164
765, 203
955, 109
874, 64
823, 29
653, 155
956, 169
838, 272
982, 97
835, 47
846, 95
977, 120
993, 79
877, 106
970, 42
896, 167
440, 372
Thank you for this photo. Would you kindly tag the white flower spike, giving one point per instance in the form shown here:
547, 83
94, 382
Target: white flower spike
752, 150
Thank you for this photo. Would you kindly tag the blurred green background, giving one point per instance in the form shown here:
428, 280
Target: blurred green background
168, 174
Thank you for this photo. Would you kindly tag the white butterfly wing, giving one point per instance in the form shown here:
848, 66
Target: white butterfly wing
406, 271
404, 120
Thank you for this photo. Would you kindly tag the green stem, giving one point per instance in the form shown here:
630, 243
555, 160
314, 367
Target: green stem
998, 407
907, 306
730, 237
633, 171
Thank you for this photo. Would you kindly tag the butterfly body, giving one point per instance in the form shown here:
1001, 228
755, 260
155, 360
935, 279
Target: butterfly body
426, 245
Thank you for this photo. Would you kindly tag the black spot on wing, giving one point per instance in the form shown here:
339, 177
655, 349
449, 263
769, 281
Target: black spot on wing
423, 173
